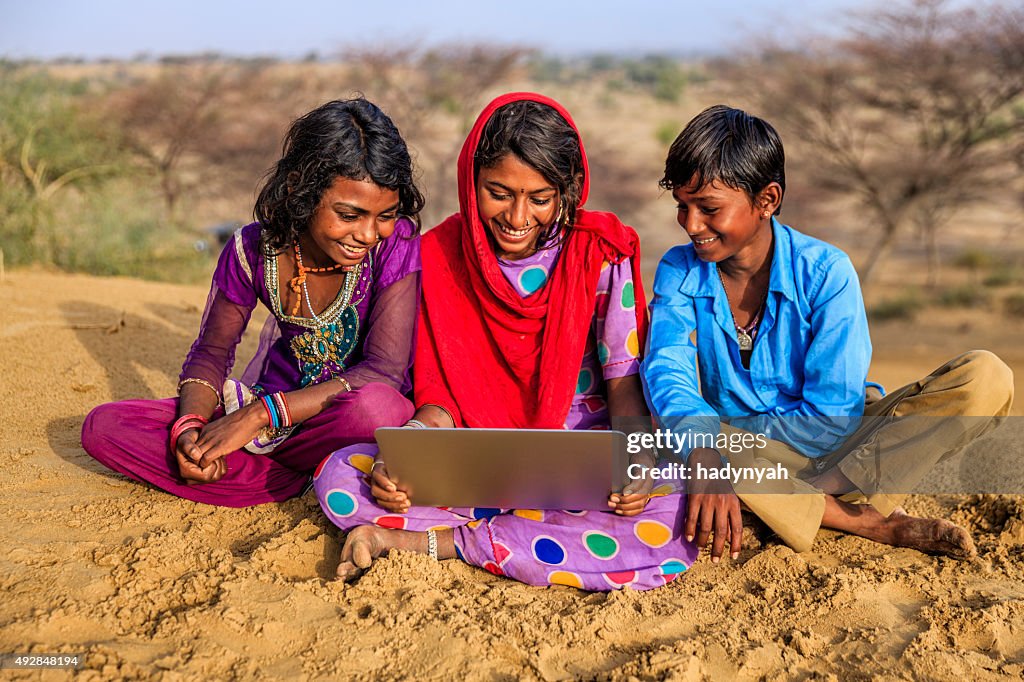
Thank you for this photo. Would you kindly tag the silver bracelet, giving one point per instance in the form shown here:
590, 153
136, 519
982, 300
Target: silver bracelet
443, 410
415, 424
432, 544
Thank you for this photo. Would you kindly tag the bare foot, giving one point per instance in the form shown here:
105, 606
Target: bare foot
935, 536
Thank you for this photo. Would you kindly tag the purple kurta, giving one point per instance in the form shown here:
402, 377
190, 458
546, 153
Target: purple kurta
244, 278
367, 339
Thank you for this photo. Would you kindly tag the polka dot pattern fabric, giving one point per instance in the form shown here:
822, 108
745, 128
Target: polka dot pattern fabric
588, 550
613, 348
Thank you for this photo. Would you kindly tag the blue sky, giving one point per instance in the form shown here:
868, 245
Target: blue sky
124, 28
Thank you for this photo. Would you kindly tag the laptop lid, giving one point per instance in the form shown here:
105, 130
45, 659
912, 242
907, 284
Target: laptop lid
505, 468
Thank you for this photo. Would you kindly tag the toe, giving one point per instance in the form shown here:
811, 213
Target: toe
961, 540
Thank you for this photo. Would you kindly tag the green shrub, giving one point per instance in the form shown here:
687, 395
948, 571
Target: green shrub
667, 133
52, 144
1002, 276
121, 233
662, 76
973, 259
1014, 305
967, 296
902, 307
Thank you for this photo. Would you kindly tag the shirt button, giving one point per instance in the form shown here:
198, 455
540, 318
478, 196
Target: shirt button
764, 387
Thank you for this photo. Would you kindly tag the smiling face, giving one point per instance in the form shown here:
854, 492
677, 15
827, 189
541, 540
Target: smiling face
516, 204
724, 223
352, 216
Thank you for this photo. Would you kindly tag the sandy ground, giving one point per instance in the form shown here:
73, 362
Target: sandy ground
146, 585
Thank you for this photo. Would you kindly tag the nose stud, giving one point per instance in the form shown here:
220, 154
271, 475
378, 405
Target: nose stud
527, 223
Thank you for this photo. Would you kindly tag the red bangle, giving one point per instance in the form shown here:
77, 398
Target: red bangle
284, 412
185, 423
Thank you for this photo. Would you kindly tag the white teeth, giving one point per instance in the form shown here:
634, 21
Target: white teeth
705, 241
514, 233
354, 251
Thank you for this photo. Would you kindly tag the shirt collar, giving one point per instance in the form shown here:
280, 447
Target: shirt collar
781, 279
702, 278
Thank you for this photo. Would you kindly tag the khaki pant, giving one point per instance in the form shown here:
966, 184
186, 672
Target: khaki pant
882, 455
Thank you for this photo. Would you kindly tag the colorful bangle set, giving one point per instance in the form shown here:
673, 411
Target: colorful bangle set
278, 412
186, 422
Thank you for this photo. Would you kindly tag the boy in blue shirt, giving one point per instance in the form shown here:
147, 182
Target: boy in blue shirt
783, 349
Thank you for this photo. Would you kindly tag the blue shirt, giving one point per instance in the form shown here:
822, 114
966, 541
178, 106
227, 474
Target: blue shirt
810, 358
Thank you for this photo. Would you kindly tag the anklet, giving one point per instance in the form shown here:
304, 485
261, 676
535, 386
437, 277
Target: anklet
432, 544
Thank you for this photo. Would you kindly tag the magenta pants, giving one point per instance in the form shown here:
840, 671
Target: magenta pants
131, 437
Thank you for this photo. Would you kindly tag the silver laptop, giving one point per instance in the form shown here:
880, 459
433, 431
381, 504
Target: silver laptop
506, 468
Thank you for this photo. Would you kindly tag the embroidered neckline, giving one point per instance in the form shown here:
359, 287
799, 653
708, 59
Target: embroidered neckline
363, 274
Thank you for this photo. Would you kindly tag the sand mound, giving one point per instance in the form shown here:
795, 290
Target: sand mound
146, 585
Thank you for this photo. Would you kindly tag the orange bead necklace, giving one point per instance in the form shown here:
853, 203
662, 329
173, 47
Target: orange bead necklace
298, 283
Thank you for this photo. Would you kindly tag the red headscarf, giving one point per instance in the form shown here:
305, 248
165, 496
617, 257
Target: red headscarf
483, 352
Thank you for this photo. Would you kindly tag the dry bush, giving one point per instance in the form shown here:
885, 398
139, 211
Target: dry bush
917, 114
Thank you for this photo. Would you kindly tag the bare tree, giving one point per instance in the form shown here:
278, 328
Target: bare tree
434, 96
915, 114
196, 127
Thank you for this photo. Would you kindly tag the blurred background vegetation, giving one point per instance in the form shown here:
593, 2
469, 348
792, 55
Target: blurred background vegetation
905, 144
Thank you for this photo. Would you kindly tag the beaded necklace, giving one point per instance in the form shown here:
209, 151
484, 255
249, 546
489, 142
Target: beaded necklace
298, 284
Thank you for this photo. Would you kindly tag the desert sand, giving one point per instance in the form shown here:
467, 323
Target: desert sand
149, 586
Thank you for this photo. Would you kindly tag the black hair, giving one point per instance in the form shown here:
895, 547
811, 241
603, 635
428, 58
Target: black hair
350, 138
541, 138
741, 151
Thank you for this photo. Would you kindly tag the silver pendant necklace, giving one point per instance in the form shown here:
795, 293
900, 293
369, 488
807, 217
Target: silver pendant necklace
348, 286
744, 335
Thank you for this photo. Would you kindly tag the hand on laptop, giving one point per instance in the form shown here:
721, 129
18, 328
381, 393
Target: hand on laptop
634, 497
387, 493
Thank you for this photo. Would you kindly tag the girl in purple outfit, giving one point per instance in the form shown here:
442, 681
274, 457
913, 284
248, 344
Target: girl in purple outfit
334, 255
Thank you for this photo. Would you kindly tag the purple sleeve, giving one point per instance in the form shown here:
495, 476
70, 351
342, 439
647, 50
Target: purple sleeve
228, 307
391, 319
388, 346
617, 345
398, 256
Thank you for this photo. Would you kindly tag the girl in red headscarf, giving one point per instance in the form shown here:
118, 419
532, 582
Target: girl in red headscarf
533, 316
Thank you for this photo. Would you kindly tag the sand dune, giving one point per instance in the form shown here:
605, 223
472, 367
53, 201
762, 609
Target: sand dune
146, 585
